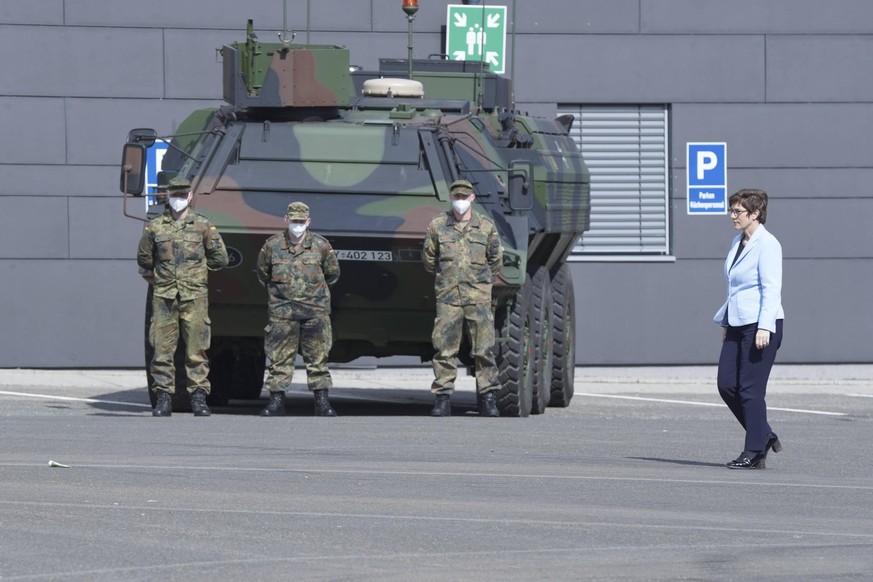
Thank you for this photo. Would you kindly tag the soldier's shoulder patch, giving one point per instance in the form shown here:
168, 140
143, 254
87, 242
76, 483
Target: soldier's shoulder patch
486, 220
321, 240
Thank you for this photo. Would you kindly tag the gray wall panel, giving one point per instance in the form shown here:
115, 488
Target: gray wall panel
99, 230
555, 16
776, 80
823, 301
389, 16
32, 12
783, 183
578, 16
365, 49
780, 135
193, 71
823, 68
226, 14
615, 303
640, 69
17, 118
708, 237
97, 128
83, 62
33, 228
743, 16
64, 314
685, 295
204, 14
34, 180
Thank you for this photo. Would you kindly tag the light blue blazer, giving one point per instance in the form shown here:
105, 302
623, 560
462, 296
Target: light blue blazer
754, 282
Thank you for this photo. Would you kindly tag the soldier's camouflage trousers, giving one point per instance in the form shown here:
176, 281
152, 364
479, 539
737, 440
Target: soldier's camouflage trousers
448, 328
282, 339
169, 318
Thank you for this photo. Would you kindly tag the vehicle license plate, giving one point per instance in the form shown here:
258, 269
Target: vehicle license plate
361, 255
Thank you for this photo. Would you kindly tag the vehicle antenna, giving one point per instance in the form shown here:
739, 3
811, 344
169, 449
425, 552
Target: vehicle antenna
410, 7
283, 36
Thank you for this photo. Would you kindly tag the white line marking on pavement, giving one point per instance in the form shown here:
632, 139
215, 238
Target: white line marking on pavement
692, 403
317, 471
70, 398
861, 395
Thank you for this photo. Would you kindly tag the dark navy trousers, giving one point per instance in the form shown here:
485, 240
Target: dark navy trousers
743, 371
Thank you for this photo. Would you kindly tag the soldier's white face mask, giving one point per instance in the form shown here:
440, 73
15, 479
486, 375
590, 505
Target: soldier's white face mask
461, 206
178, 203
296, 229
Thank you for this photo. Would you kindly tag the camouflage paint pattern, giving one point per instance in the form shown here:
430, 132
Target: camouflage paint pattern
374, 172
170, 319
283, 338
448, 329
297, 278
275, 75
180, 252
464, 258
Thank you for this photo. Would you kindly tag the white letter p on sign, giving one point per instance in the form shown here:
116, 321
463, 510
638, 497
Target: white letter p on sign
705, 161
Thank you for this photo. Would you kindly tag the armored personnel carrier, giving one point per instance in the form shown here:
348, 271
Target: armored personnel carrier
373, 155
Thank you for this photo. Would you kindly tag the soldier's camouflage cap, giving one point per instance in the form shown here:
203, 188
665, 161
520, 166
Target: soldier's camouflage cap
461, 187
179, 185
298, 211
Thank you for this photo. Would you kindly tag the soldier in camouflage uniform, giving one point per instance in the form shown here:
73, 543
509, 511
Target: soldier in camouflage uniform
462, 249
297, 267
179, 247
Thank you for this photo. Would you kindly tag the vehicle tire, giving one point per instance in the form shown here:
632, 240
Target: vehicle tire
563, 337
181, 400
542, 348
514, 353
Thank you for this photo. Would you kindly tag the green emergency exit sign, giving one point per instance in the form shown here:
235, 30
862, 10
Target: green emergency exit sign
477, 33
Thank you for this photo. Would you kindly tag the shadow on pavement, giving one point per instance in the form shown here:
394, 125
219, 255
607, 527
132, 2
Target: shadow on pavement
678, 462
346, 401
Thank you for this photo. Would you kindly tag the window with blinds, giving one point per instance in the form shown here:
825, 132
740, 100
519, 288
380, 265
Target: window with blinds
625, 147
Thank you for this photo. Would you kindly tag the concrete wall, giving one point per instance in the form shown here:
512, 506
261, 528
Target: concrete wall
786, 83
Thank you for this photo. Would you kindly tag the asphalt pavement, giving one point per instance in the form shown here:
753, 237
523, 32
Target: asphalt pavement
627, 483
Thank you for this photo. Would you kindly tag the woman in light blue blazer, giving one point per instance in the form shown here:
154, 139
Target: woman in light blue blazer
751, 319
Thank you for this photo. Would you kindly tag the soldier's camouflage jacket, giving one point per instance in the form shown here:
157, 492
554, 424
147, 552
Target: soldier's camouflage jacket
463, 259
180, 252
297, 276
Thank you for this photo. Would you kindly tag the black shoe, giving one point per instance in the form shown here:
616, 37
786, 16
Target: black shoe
198, 403
443, 406
276, 407
164, 404
773, 443
322, 405
749, 461
488, 405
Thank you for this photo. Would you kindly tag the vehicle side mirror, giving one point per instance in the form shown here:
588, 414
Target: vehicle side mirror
143, 135
133, 165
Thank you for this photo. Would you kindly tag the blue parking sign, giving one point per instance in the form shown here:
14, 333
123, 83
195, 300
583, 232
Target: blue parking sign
707, 178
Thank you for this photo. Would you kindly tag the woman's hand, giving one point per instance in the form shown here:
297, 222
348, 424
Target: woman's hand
762, 339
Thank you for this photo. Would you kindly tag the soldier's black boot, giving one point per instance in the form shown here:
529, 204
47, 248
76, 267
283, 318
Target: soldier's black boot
322, 405
164, 404
443, 406
198, 403
276, 407
488, 406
